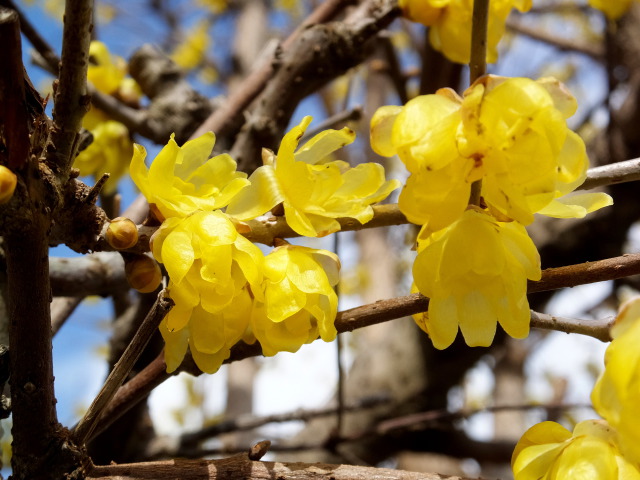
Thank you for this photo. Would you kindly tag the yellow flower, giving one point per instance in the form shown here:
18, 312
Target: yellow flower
475, 273
450, 22
212, 271
105, 72
109, 152
190, 53
548, 451
511, 132
299, 300
612, 9
516, 128
209, 336
314, 190
183, 180
423, 134
615, 396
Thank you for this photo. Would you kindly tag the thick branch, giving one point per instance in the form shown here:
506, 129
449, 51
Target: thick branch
71, 97
239, 467
226, 119
13, 112
96, 274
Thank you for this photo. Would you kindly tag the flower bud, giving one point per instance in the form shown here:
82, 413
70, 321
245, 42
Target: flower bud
143, 273
122, 233
8, 181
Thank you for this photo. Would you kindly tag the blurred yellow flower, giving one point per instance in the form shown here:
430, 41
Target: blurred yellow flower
450, 24
548, 451
475, 273
313, 189
190, 53
183, 180
299, 300
615, 396
613, 9
214, 6
109, 152
105, 72
212, 270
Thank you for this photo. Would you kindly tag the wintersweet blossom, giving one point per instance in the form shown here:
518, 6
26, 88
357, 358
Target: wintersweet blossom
615, 395
190, 53
511, 132
548, 451
299, 300
109, 151
183, 180
612, 9
475, 273
212, 269
313, 189
450, 24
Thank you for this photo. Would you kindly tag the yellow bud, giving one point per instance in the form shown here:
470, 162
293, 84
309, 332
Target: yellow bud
143, 273
122, 233
8, 181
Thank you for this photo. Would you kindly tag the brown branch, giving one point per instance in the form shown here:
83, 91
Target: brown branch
96, 274
61, 309
239, 467
251, 422
592, 50
71, 98
320, 54
612, 174
87, 424
13, 114
34, 37
384, 310
479, 28
227, 119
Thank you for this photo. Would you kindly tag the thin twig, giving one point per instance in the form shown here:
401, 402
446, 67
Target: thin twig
334, 121
599, 328
593, 50
149, 326
479, 27
478, 66
251, 422
612, 174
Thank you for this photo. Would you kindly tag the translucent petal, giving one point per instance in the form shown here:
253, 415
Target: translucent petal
193, 155
442, 321
381, 129
208, 363
175, 347
577, 206
283, 300
177, 254
207, 331
477, 318
324, 144
259, 197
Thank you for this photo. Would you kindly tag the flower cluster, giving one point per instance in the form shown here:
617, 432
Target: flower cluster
224, 288
449, 23
604, 449
111, 148
511, 133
